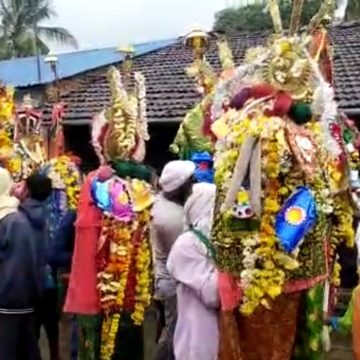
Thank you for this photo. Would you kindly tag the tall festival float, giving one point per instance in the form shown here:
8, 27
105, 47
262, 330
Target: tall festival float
110, 283
286, 162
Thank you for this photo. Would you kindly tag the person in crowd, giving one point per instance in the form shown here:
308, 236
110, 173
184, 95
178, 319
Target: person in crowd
62, 248
168, 223
21, 277
191, 264
39, 188
61, 252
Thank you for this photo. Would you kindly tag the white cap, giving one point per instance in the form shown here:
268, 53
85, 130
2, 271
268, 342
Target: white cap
175, 174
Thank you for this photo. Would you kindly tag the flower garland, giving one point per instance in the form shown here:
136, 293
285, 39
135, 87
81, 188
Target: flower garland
8, 158
143, 276
266, 268
112, 280
265, 282
124, 277
71, 179
337, 206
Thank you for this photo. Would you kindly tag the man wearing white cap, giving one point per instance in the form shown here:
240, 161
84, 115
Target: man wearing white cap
168, 223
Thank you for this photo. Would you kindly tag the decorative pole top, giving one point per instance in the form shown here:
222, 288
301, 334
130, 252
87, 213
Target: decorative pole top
198, 41
128, 52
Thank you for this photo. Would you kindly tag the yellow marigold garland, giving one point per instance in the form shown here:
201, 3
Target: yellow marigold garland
266, 281
143, 295
343, 230
266, 266
9, 159
71, 179
143, 276
116, 271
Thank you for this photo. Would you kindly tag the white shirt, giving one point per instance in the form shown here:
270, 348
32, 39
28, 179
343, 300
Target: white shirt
168, 225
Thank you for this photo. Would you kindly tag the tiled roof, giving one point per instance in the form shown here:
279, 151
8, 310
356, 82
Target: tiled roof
346, 45
170, 93
23, 72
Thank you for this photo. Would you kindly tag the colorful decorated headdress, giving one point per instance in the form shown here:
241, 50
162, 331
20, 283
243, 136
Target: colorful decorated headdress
27, 136
120, 132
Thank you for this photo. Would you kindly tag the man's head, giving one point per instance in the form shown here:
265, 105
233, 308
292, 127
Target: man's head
39, 186
176, 180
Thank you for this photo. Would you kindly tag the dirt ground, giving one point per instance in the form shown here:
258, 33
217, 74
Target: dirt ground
341, 346
341, 349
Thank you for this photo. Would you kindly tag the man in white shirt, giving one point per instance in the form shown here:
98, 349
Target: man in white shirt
168, 223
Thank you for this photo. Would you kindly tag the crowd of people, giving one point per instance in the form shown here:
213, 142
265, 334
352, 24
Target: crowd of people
185, 276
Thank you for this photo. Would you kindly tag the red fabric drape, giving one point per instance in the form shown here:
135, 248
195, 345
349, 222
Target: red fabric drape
82, 296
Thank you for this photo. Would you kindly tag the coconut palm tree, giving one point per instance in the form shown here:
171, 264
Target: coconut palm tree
21, 30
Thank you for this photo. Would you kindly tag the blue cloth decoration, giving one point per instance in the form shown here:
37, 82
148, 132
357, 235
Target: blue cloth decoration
296, 218
100, 193
334, 323
204, 167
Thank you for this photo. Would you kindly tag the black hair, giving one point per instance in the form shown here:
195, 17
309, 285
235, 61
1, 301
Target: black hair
39, 186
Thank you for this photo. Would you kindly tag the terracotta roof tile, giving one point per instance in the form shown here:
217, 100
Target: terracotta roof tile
170, 93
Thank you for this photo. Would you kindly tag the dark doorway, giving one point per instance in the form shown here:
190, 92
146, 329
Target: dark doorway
78, 141
157, 148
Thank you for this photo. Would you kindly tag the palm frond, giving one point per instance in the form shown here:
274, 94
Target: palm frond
38, 10
20, 32
5, 8
58, 34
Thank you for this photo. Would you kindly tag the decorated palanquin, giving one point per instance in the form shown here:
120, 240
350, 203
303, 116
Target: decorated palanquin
282, 170
194, 139
112, 229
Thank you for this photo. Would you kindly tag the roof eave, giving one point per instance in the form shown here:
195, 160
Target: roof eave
80, 122
351, 112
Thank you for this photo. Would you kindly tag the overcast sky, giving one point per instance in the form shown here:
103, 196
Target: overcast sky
101, 23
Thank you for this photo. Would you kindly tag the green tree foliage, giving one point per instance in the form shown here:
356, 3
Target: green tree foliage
255, 17
353, 10
21, 30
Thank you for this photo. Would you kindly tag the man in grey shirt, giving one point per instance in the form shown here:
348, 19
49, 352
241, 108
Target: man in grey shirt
168, 225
